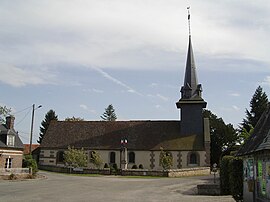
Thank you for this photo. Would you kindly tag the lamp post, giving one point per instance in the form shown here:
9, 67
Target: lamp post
32, 125
124, 142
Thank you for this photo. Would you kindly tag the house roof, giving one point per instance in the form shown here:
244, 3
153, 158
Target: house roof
260, 139
141, 135
4, 131
26, 149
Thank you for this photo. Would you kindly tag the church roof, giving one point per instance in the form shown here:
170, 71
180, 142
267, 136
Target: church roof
260, 139
106, 135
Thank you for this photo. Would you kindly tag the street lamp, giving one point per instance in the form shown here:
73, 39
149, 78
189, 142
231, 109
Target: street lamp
124, 142
32, 125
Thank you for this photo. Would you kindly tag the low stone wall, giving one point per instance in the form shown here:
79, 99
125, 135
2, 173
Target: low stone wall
167, 173
102, 171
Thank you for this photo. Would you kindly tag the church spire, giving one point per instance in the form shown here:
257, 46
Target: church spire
191, 88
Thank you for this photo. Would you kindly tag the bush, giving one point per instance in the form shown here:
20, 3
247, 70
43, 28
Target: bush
29, 162
225, 175
140, 166
12, 176
106, 165
114, 168
236, 178
134, 167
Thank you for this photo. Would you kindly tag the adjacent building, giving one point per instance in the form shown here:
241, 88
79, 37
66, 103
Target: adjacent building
11, 147
256, 162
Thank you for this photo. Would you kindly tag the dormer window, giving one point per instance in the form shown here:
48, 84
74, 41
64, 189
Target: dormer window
10, 140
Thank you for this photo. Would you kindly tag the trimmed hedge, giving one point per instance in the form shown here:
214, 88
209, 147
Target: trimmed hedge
236, 179
231, 177
225, 175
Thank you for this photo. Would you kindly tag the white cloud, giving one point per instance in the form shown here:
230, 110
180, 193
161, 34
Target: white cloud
266, 81
234, 94
162, 97
235, 108
117, 81
19, 77
86, 108
121, 34
157, 106
93, 90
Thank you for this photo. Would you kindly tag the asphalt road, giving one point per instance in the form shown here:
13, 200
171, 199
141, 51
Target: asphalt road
66, 188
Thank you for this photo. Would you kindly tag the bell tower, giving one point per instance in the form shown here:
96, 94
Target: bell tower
191, 102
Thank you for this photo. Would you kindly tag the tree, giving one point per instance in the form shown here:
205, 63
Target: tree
45, 124
223, 136
109, 114
29, 162
75, 158
4, 112
73, 118
258, 104
165, 159
96, 159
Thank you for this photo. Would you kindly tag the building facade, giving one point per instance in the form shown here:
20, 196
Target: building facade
187, 140
256, 162
11, 147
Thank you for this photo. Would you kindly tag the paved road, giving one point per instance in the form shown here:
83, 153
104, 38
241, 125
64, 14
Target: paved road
66, 188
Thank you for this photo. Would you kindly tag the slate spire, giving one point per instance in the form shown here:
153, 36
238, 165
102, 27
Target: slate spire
191, 89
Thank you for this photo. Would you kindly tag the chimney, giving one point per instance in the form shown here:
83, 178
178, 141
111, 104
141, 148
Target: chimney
10, 122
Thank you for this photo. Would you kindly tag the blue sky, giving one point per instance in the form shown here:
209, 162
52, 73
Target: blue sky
77, 57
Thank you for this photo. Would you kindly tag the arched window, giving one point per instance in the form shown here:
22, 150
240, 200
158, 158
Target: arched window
60, 157
131, 157
112, 157
193, 159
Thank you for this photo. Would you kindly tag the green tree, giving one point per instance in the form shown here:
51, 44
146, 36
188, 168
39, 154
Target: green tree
165, 159
76, 158
223, 136
4, 112
258, 104
45, 124
73, 118
96, 159
109, 114
29, 162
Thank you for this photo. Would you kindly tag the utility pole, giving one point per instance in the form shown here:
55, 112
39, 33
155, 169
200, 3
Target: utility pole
32, 125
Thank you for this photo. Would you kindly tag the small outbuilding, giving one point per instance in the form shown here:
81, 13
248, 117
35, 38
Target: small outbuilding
256, 162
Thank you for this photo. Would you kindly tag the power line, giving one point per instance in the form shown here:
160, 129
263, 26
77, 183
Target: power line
17, 123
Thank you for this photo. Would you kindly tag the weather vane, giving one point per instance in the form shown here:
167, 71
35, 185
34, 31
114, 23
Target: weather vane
189, 21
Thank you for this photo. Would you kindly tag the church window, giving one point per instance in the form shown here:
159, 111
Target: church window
131, 157
193, 159
60, 157
112, 157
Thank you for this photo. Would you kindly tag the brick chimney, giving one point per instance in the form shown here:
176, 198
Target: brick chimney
10, 122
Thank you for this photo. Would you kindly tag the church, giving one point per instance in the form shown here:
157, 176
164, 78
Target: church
129, 143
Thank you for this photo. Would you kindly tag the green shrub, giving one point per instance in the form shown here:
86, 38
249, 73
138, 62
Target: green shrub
236, 178
134, 167
225, 175
140, 166
106, 165
12, 176
29, 162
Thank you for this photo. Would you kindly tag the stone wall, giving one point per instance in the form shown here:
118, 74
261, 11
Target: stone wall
167, 173
104, 171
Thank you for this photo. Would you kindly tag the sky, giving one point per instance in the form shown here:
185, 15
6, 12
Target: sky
77, 57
